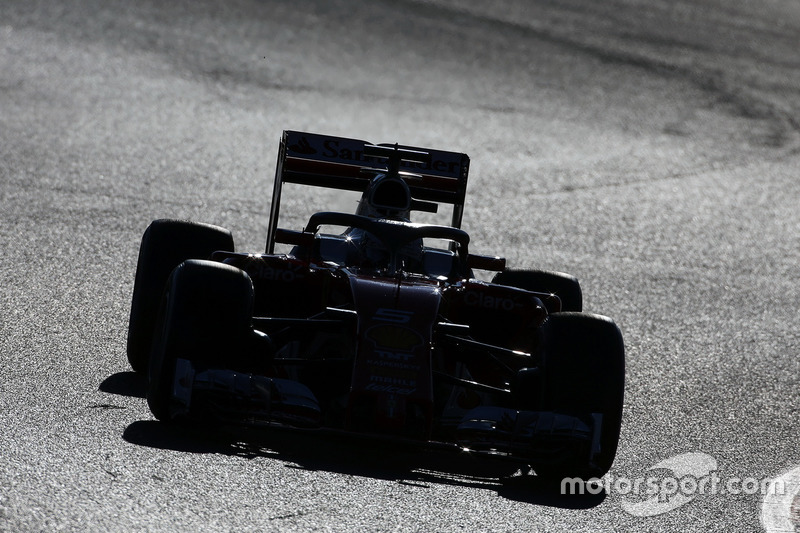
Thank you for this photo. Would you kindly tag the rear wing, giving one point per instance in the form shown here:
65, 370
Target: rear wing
342, 163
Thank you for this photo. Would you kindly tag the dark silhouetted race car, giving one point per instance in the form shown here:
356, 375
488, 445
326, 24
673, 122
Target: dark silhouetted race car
371, 325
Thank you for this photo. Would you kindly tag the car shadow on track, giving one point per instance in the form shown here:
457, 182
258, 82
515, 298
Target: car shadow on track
130, 384
346, 455
342, 454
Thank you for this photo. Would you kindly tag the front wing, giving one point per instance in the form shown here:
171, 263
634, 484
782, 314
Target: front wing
227, 398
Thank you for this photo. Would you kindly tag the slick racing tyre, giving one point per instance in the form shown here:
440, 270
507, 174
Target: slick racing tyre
165, 245
565, 286
205, 317
584, 373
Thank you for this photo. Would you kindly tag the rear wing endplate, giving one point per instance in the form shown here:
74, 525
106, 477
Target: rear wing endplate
340, 163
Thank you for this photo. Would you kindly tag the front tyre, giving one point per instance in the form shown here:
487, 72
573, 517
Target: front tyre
584, 374
205, 318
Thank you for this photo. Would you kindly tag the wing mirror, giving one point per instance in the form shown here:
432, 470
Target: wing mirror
295, 238
486, 262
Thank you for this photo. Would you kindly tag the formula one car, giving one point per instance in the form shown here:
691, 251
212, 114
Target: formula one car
378, 328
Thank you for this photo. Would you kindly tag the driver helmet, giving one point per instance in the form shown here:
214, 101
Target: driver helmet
387, 197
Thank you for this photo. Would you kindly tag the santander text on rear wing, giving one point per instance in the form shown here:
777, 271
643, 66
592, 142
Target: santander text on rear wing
341, 163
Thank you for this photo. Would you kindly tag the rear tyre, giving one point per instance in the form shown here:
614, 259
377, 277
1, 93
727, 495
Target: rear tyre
165, 245
206, 316
565, 286
584, 366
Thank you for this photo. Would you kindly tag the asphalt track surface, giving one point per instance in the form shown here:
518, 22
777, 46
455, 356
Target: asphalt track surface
648, 147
